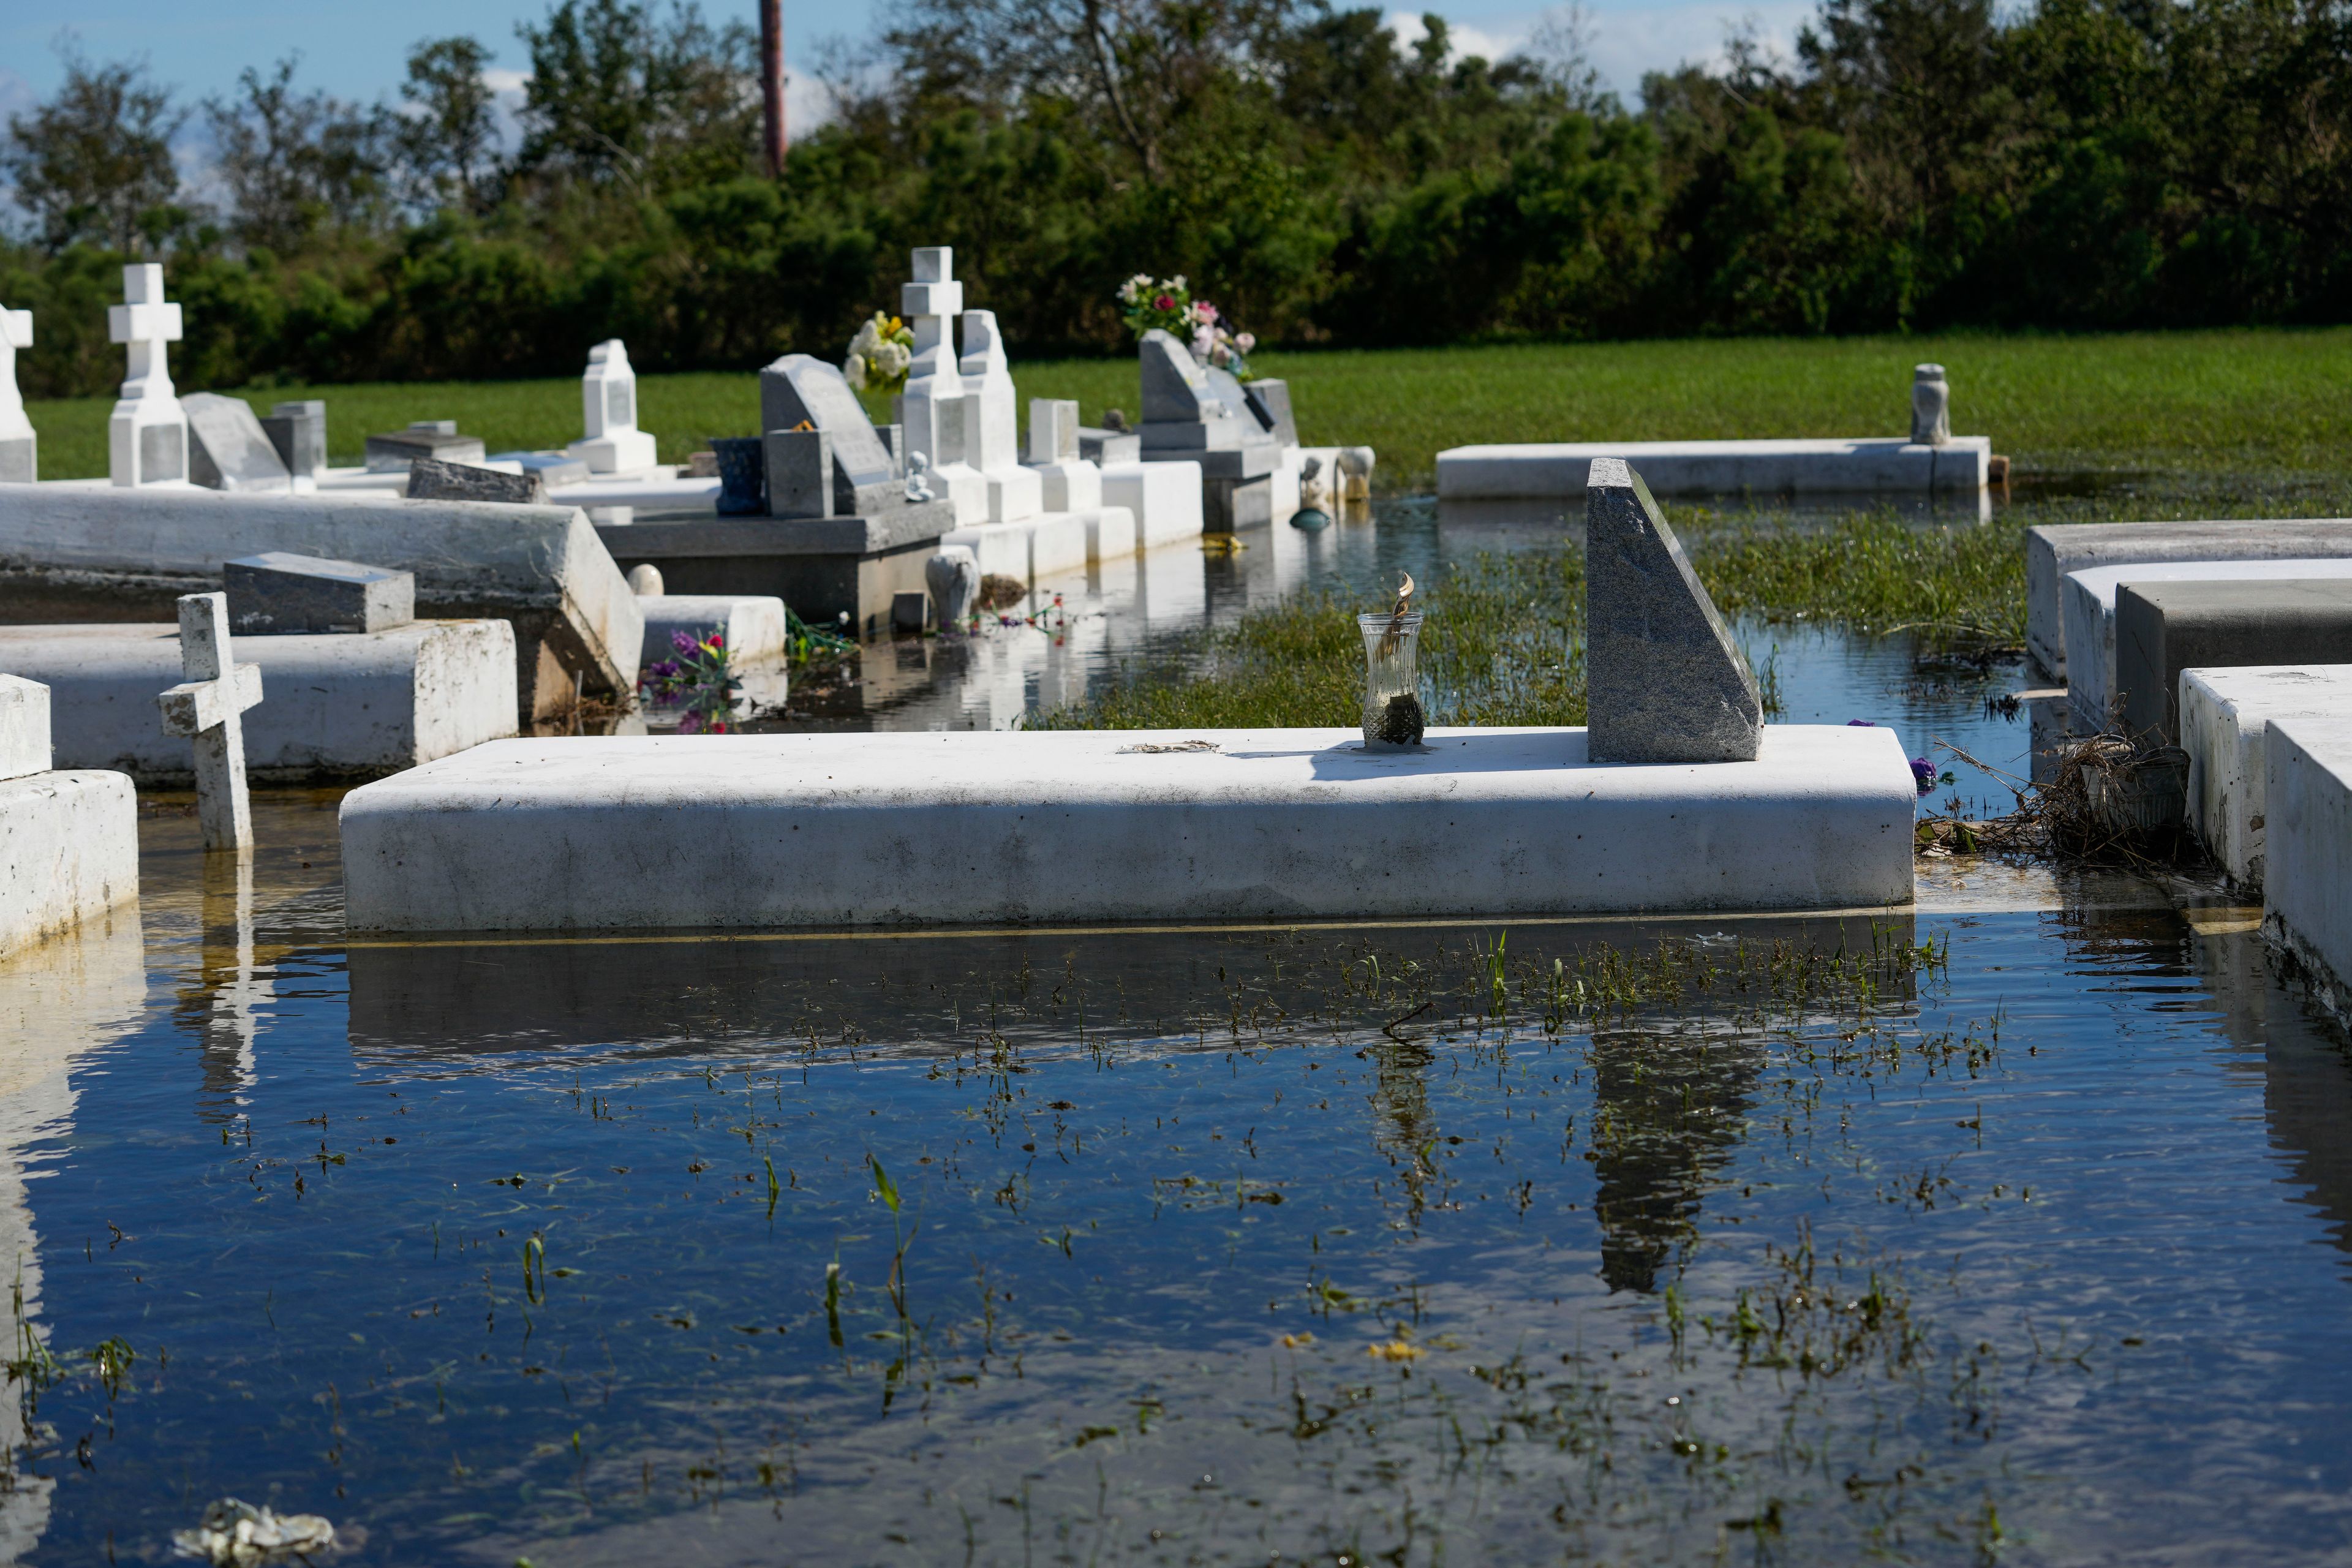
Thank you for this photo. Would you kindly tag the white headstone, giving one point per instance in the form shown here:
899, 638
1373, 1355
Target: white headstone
19, 447
24, 727
147, 436
608, 401
1068, 482
207, 706
992, 422
935, 420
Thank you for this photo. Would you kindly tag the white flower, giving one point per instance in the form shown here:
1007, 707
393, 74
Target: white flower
853, 370
890, 359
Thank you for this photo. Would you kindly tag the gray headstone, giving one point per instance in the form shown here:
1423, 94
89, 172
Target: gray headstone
799, 387
20, 460
1252, 422
298, 431
910, 611
1271, 398
438, 439
277, 594
1664, 681
1175, 390
1106, 447
227, 447
431, 479
800, 473
2163, 629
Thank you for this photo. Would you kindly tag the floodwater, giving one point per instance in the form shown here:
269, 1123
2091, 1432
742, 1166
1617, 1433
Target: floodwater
2013, 1230
1074, 634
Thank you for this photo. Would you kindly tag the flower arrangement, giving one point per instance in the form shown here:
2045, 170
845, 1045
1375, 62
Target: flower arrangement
1166, 303
880, 354
698, 680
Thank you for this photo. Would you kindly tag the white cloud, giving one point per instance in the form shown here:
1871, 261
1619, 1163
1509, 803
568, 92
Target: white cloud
1628, 39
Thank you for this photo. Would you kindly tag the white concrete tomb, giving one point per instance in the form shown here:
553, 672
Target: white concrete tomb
990, 827
68, 840
2224, 714
2090, 599
20, 447
2307, 886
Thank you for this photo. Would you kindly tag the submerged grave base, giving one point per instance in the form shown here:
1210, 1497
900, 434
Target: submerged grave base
1790, 466
985, 827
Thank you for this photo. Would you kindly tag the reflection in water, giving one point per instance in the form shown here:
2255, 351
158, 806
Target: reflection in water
1670, 1110
2306, 1072
57, 1002
222, 1008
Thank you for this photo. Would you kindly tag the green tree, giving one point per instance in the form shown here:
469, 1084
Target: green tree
94, 162
447, 139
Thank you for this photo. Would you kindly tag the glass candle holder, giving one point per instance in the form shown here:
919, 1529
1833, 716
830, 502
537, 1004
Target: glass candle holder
1393, 716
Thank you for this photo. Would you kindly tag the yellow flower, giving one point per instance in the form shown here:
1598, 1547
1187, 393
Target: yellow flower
1395, 1350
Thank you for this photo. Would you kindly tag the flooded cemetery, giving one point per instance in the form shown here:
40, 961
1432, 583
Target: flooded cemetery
937, 983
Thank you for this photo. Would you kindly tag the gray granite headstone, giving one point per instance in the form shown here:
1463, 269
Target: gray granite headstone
277, 594
430, 479
1271, 398
298, 431
227, 447
1664, 681
396, 449
1254, 422
800, 473
1175, 390
801, 388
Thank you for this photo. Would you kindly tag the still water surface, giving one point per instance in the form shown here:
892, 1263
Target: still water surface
1769, 1240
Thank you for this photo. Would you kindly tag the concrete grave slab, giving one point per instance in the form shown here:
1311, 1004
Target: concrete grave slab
2090, 598
2054, 550
80, 555
2307, 886
1090, 825
822, 567
2224, 714
24, 727
1666, 683
227, 447
340, 706
2164, 629
1164, 499
68, 851
277, 593
1764, 467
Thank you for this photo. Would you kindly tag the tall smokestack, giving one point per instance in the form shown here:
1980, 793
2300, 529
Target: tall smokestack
772, 82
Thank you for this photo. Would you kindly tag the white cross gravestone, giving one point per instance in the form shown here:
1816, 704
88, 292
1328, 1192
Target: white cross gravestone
147, 436
936, 424
608, 401
19, 447
207, 705
992, 422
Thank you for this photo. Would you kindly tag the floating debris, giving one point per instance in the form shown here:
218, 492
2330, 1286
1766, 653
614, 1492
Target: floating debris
1155, 747
239, 1535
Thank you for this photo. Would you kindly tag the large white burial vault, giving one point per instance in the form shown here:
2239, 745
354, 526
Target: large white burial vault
1013, 827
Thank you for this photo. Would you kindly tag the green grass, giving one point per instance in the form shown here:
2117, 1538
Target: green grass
2171, 402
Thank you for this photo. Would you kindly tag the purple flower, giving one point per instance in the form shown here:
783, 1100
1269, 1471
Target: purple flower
685, 642
1923, 773
1859, 725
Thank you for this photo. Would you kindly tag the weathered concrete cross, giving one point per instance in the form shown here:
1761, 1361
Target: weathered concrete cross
207, 706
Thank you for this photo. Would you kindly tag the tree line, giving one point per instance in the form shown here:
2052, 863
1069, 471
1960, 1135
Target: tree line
2074, 164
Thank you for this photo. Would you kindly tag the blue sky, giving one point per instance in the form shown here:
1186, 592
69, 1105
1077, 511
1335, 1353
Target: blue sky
356, 51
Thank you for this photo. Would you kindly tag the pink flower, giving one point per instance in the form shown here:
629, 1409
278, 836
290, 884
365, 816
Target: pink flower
1204, 313
1246, 341
1165, 302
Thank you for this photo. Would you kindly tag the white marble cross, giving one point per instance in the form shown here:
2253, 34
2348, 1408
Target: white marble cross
206, 705
936, 414
147, 436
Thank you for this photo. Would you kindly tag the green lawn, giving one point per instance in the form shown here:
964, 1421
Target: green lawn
2243, 402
